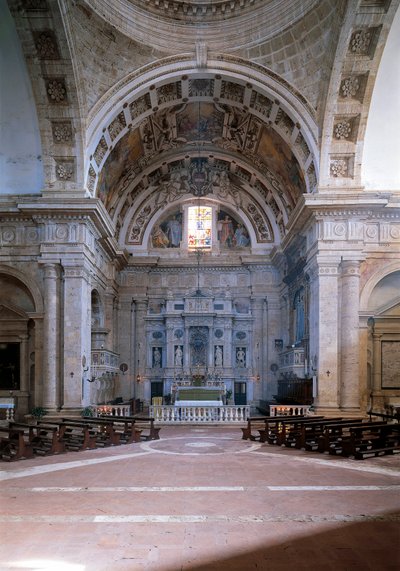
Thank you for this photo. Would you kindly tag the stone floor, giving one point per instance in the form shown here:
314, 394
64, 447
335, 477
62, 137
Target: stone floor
201, 499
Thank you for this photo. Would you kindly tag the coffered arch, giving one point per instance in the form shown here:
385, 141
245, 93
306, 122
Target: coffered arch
240, 118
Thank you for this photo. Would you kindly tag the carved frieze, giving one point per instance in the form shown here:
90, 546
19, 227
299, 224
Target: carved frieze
169, 92
353, 87
140, 106
46, 45
62, 132
117, 125
232, 91
100, 151
261, 103
201, 87
363, 41
341, 166
65, 169
56, 90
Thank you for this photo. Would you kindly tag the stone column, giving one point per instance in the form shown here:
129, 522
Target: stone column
51, 335
77, 334
349, 346
324, 336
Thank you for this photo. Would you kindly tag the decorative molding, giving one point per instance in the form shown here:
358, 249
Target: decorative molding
56, 90
62, 132
46, 45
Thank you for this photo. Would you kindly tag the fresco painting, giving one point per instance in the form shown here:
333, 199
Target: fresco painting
277, 155
168, 233
202, 122
231, 232
125, 153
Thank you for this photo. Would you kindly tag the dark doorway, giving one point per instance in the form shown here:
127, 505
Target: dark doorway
240, 393
157, 388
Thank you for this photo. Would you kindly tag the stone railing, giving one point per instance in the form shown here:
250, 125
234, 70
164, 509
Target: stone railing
7, 407
123, 409
203, 414
289, 409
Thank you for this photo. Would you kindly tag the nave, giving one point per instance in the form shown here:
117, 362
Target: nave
200, 498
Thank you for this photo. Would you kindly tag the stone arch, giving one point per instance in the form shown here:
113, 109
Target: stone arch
265, 96
29, 284
374, 281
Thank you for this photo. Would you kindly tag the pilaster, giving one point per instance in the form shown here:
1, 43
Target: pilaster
349, 335
51, 335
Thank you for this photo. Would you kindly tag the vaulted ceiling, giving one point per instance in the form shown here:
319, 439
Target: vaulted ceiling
267, 99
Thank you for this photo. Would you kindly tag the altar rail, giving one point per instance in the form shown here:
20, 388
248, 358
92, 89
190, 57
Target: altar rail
289, 409
123, 409
204, 414
7, 408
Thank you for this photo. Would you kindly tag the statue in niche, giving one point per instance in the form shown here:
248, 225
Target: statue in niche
178, 356
240, 357
156, 358
218, 357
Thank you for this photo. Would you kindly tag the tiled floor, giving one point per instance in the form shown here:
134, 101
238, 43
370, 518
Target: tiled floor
200, 499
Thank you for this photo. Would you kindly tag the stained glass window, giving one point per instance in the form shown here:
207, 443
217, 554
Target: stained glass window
199, 226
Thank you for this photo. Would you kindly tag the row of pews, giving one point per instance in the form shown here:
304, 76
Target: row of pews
20, 440
351, 437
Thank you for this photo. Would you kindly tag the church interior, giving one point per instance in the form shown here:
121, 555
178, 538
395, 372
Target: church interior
200, 205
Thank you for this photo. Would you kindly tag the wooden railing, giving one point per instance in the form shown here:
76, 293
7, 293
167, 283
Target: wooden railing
296, 391
204, 414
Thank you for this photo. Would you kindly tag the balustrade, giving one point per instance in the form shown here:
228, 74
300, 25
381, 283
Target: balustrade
289, 410
204, 414
123, 409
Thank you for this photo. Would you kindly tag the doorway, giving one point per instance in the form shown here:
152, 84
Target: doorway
157, 389
240, 393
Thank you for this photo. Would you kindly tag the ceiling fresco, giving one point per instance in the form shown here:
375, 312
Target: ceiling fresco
198, 149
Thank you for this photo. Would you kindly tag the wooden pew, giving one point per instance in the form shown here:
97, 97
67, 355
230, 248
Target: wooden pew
106, 434
43, 438
75, 435
14, 444
99, 432
311, 434
335, 434
253, 423
276, 427
125, 427
258, 423
143, 423
372, 439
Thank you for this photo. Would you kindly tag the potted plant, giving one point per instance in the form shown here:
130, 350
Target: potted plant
87, 411
228, 396
38, 412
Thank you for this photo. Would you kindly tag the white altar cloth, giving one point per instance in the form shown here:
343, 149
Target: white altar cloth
199, 403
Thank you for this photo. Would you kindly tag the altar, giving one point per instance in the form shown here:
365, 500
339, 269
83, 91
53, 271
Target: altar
195, 395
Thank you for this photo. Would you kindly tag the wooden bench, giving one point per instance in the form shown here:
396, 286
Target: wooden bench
75, 435
310, 436
276, 428
372, 439
102, 432
336, 434
143, 423
43, 438
126, 428
253, 423
14, 444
